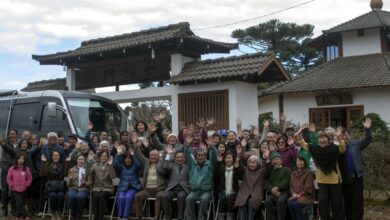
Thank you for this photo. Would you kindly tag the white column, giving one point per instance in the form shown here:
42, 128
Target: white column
175, 113
177, 63
71, 79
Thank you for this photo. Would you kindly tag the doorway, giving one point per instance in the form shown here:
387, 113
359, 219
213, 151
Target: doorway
335, 116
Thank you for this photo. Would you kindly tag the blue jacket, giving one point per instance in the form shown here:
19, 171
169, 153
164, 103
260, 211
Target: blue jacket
354, 148
128, 176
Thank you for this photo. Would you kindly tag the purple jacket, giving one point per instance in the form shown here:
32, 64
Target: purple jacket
289, 156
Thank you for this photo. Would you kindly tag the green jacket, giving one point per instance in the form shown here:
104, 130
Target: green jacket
201, 177
280, 178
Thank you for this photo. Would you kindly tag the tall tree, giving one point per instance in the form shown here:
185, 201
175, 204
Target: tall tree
289, 42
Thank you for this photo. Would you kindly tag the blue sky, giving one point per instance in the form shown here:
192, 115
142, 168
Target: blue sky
46, 26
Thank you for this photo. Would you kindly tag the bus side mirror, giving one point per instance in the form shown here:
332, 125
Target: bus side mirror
52, 109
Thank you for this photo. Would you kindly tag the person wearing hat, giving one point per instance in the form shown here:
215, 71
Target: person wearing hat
72, 141
277, 186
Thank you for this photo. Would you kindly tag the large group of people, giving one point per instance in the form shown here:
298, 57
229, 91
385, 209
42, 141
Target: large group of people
241, 172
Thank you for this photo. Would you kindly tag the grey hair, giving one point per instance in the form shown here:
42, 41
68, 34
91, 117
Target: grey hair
256, 159
51, 134
202, 150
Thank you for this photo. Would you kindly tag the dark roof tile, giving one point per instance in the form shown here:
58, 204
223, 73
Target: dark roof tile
342, 73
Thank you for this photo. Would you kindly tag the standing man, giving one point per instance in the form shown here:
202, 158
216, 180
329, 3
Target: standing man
7, 160
352, 170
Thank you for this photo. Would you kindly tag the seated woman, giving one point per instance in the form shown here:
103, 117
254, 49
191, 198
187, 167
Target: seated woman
53, 170
287, 151
77, 190
127, 167
226, 182
301, 190
250, 194
99, 178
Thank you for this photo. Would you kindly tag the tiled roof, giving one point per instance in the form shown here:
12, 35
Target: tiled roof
373, 19
222, 68
342, 73
51, 84
126, 41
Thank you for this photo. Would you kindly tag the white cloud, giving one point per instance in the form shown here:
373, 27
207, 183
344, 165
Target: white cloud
27, 25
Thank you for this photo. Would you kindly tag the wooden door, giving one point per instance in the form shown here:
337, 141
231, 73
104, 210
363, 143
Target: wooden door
354, 114
320, 117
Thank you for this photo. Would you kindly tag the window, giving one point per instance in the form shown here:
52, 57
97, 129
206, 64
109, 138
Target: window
332, 52
360, 33
4, 112
50, 124
193, 106
338, 116
25, 116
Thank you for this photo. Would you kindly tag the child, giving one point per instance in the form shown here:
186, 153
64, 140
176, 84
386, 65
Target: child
19, 179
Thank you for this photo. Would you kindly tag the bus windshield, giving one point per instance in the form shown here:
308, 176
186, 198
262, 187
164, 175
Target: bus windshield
83, 110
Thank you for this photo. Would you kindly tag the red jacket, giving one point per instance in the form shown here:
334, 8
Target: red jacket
18, 179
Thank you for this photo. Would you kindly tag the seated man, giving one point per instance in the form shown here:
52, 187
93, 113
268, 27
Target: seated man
153, 182
178, 186
201, 173
277, 187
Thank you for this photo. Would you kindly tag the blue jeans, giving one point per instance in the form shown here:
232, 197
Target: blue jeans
204, 198
56, 201
76, 201
296, 209
246, 211
125, 202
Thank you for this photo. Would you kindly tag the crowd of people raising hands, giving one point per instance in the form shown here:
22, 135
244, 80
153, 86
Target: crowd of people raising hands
241, 171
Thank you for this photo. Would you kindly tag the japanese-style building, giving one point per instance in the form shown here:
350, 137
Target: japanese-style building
354, 80
224, 88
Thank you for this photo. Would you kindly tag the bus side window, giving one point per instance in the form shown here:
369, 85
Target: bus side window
54, 124
24, 117
4, 112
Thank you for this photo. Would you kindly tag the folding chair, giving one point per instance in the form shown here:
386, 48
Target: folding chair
89, 215
210, 205
147, 207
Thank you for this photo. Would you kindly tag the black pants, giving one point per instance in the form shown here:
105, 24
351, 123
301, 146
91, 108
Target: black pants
276, 206
168, 196
20, 203
330, 195
226, 202
353, 199
99, 204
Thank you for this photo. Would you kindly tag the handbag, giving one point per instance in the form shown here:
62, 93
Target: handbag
55, 185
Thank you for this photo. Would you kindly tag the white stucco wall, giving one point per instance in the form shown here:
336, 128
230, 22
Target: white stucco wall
367, 44
296, 106
269, 104
243, 101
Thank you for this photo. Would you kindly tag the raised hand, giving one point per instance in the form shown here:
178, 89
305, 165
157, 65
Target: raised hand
43, 158
68, 158
145, 142
283, 117
110, 160
89, 126
266, 123
238, 121
367, 123
290, 141
210, 121
134, 137
189, 139
162, 115
201, 123
152, 128
110, 118
191, 128
339, 130
266, 154
256, 131
244, 142
238, 149
312, 127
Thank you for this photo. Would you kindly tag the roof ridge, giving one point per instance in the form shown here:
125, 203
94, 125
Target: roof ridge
379, 17
45, 80
182, 26
243, 56
353, 19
